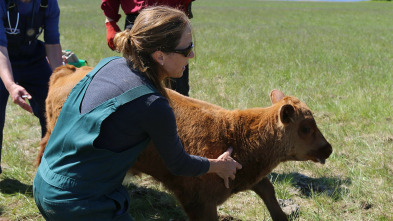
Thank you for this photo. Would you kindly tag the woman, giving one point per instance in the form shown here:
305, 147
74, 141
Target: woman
131, 10
111, 115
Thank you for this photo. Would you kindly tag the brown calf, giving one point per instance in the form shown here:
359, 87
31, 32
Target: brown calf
261, 139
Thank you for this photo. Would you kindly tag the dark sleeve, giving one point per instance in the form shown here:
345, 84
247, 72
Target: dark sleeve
3, 37
160, 124
52, 15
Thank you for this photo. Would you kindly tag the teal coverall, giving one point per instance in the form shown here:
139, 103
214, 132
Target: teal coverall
76, 181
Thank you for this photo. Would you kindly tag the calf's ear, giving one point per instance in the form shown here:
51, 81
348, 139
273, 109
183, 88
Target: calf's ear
287, 113
276, 96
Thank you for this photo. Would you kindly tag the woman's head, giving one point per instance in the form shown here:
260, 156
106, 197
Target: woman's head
155, 42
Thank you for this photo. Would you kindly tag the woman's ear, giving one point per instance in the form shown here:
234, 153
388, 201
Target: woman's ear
159, 57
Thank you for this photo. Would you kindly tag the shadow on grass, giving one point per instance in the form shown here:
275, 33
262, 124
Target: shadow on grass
151, 204
332, 186
1, 211
10, 186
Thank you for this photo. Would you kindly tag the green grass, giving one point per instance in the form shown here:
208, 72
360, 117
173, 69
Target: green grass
337, 57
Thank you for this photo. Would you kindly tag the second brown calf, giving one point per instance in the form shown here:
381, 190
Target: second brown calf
261, 139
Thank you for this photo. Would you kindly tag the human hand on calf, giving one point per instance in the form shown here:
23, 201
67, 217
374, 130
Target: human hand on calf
225, 166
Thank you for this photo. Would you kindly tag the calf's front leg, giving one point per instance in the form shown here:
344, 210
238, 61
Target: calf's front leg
265, 190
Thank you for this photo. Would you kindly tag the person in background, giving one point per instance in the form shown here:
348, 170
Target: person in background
131, 8
24, 67
109, 118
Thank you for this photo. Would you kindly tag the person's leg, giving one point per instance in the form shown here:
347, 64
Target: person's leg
3, 104
35, 80
129, 21
181, 85
54, 203
38, 198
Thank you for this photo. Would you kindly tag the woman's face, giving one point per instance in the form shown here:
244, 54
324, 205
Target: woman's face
174, 63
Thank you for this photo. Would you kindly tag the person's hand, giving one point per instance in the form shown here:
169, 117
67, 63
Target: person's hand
18, 95
225, 166
111, 30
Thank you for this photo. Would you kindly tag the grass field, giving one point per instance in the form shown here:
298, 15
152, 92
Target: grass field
336, 57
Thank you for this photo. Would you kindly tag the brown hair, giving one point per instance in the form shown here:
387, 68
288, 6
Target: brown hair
156, 28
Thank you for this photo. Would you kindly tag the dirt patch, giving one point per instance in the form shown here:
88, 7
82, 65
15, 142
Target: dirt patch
366, 205
290, 208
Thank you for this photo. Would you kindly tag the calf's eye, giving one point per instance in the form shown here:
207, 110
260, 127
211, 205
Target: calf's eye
305, 129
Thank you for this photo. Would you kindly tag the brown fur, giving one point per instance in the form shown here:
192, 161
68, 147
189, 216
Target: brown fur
261, 139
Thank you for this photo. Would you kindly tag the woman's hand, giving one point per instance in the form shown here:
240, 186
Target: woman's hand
225, 166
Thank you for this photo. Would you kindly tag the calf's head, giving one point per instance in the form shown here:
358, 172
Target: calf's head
299, 131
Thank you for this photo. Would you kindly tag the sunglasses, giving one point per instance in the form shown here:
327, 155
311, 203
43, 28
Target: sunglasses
186, 52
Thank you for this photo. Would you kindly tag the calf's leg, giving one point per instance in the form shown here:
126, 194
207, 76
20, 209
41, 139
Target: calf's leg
43, 143
265, 190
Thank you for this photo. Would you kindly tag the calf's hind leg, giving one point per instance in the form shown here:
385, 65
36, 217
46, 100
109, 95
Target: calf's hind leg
265, 190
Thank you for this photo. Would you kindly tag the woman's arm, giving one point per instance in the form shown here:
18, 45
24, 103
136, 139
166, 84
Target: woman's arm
54, 55
160, 123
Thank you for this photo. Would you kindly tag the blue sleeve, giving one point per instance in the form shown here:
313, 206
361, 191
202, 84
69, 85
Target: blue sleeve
160, 124
3, 16
52, 15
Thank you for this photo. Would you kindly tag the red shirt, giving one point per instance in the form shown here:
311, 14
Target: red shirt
111, 7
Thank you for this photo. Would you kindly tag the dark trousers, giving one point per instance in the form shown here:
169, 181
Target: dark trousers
180, 85
35, 80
